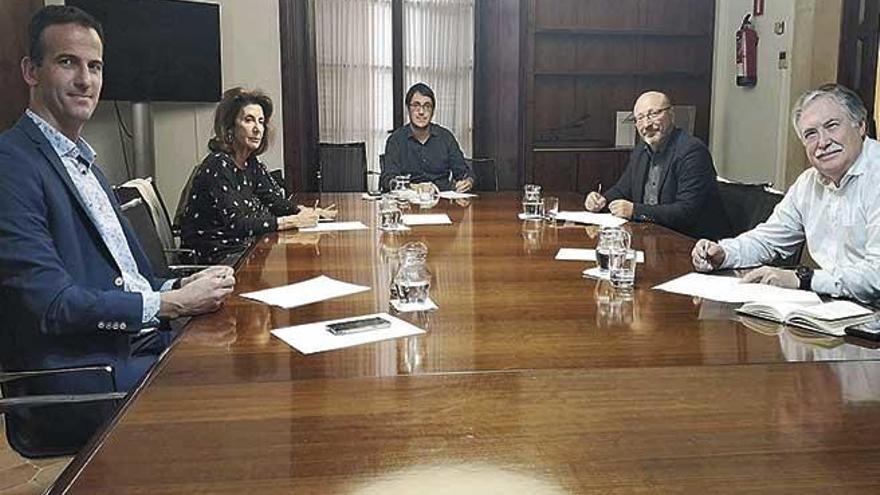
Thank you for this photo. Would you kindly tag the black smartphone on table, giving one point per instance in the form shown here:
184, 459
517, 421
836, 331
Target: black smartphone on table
358, 325
867, 331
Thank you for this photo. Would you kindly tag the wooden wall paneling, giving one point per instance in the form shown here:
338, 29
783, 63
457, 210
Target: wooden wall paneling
600, 167
499, 94
857, 61
554, 105
608, 14
556, 171
555, 53
601, 98
614, 54
14, 19
299, 88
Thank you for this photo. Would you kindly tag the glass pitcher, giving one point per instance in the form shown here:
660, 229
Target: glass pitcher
413, 279
610, 239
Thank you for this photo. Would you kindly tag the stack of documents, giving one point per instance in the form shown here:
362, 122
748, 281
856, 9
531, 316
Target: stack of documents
314, 337
307, 292
730, 289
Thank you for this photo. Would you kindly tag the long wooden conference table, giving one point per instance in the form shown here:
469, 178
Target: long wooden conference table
529, 380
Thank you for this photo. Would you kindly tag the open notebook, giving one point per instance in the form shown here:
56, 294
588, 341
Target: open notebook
829, 318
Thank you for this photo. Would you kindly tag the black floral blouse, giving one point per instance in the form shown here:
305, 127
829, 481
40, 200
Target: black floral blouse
228, 206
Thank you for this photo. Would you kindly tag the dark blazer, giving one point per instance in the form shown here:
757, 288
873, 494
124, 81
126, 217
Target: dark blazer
688, 200
58, 282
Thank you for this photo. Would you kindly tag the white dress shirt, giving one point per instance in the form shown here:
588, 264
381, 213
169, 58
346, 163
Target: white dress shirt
841, 226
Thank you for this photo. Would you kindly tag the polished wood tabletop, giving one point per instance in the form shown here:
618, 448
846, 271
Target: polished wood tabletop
530, 379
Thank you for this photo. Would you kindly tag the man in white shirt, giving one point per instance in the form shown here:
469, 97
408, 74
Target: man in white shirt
834, 206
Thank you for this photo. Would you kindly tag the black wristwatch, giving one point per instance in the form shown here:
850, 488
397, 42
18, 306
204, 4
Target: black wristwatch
805, 276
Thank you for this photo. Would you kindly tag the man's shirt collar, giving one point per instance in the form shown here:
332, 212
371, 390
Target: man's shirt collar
432, 130
81, 151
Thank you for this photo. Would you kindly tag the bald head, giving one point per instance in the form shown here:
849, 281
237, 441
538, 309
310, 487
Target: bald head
654, 117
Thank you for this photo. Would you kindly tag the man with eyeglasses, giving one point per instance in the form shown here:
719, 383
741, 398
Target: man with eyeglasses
425, 151
834, 206
670, 178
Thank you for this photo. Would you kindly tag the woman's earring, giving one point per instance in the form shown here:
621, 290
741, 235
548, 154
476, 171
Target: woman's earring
228, 136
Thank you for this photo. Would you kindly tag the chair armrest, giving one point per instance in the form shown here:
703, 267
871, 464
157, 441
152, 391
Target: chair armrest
10, 376
53, 400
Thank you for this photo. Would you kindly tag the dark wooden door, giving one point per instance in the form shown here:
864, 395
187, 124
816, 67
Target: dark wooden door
857, 63
14, 17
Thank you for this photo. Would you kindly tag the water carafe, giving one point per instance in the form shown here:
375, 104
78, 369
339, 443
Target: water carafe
413, 280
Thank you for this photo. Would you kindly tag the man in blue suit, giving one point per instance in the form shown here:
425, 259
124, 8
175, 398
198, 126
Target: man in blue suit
75, 285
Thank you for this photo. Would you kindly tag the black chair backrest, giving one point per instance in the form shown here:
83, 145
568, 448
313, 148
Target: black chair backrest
138, 215
184, 198
485, 174
747, 205
343, 167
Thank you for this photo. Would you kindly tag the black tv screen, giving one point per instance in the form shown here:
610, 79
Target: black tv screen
158, 50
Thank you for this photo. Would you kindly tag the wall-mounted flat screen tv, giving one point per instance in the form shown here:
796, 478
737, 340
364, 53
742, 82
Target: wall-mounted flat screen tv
159, 50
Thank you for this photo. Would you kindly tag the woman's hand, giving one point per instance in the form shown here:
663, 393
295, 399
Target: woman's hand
307, 217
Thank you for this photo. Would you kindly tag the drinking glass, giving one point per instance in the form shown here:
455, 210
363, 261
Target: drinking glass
389, 213
533, 206
622, 265
551, 208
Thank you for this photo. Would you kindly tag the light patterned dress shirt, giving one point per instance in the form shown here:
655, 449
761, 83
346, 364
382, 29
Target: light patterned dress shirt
841, 226
78, 159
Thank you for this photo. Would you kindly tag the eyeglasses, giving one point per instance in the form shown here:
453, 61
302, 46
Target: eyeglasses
652, 115
428, 107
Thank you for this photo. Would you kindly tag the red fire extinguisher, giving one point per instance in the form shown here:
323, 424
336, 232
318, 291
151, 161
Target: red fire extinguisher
746, 53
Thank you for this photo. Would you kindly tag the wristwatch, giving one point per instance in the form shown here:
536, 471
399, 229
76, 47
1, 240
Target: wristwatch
805, 276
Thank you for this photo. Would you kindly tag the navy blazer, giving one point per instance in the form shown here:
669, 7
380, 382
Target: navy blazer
688, 200
58, 282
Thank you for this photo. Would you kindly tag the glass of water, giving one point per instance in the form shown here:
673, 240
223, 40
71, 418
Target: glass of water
551, 208
389, 213
622, 267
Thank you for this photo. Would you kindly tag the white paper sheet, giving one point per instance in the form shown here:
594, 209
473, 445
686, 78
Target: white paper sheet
306, 292
600, 219
523, 216
596, 273
729, 289
426, 219
402, 307
577, 254
456, 195
314, 337
335, 226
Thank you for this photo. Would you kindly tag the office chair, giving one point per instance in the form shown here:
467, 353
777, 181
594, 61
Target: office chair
342, 167
17, 406
485, 174
147, 190
166, 263
747, 205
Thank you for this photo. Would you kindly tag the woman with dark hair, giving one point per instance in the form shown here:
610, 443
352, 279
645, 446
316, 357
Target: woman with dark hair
232, 197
